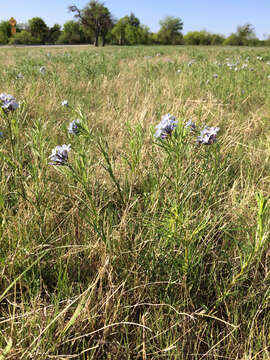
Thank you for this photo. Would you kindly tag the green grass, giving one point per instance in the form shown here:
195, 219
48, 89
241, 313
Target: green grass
139, 248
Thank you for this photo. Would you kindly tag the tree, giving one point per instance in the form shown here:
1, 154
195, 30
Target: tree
38, 29
5, 28
129, 31
72, 34
202, 37
118, 30
245, 35
133, 20
246, 32
170, 31
54, 33
96, 17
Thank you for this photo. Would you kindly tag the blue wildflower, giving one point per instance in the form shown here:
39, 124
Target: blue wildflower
64, 103
42, 69
59, 155
208, 135
166, 126
8, 102
73, 127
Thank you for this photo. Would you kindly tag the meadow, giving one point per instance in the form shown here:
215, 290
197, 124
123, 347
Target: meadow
130, 246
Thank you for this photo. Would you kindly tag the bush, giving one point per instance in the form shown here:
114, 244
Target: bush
24, 38
233, 40
3, 38
202, 38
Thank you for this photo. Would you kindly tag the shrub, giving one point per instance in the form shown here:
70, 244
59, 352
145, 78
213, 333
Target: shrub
3, 38
24, 38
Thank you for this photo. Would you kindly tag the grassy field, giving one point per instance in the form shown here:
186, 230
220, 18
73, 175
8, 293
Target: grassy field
137, 247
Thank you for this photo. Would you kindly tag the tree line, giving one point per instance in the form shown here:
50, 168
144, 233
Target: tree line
94, 24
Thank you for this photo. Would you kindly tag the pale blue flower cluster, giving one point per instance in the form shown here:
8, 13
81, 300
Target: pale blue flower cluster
42, 69
169, 123
59, 155
64, 103
8, 102
166, 126
73, 127
208, 135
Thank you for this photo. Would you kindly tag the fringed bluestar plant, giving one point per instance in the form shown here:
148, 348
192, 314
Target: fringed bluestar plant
20, 76
59, 155
64, 103
73, 127
8, 102
166, 126
208, 135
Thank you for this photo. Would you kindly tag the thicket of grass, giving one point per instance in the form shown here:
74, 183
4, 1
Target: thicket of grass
140, 248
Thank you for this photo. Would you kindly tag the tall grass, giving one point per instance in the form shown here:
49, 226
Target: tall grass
138, 248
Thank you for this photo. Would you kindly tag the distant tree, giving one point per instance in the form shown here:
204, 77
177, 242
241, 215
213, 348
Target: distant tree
72, 33
54, 33
246, 32
38, 29
129, 31
5, 28
118, 30
217, 39
170, 31
133, 20
96, 17
202, 37
245, 35
3, 38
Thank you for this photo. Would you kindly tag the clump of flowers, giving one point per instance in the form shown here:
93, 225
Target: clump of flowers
59, 155
166, 126
215, 76
73, 127
64, 103
8, 102
208, 135
20, 76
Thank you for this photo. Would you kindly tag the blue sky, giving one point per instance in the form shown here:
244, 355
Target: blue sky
221, 16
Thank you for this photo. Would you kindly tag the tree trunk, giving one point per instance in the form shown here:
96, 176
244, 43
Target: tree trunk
103, 40
96, 39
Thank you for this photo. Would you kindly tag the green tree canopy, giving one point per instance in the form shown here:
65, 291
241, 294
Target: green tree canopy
245, 35
129, 31
38, 29
72, 33
54, 33
96, 17
170, 31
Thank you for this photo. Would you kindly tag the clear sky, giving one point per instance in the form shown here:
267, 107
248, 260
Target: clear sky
220, 16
